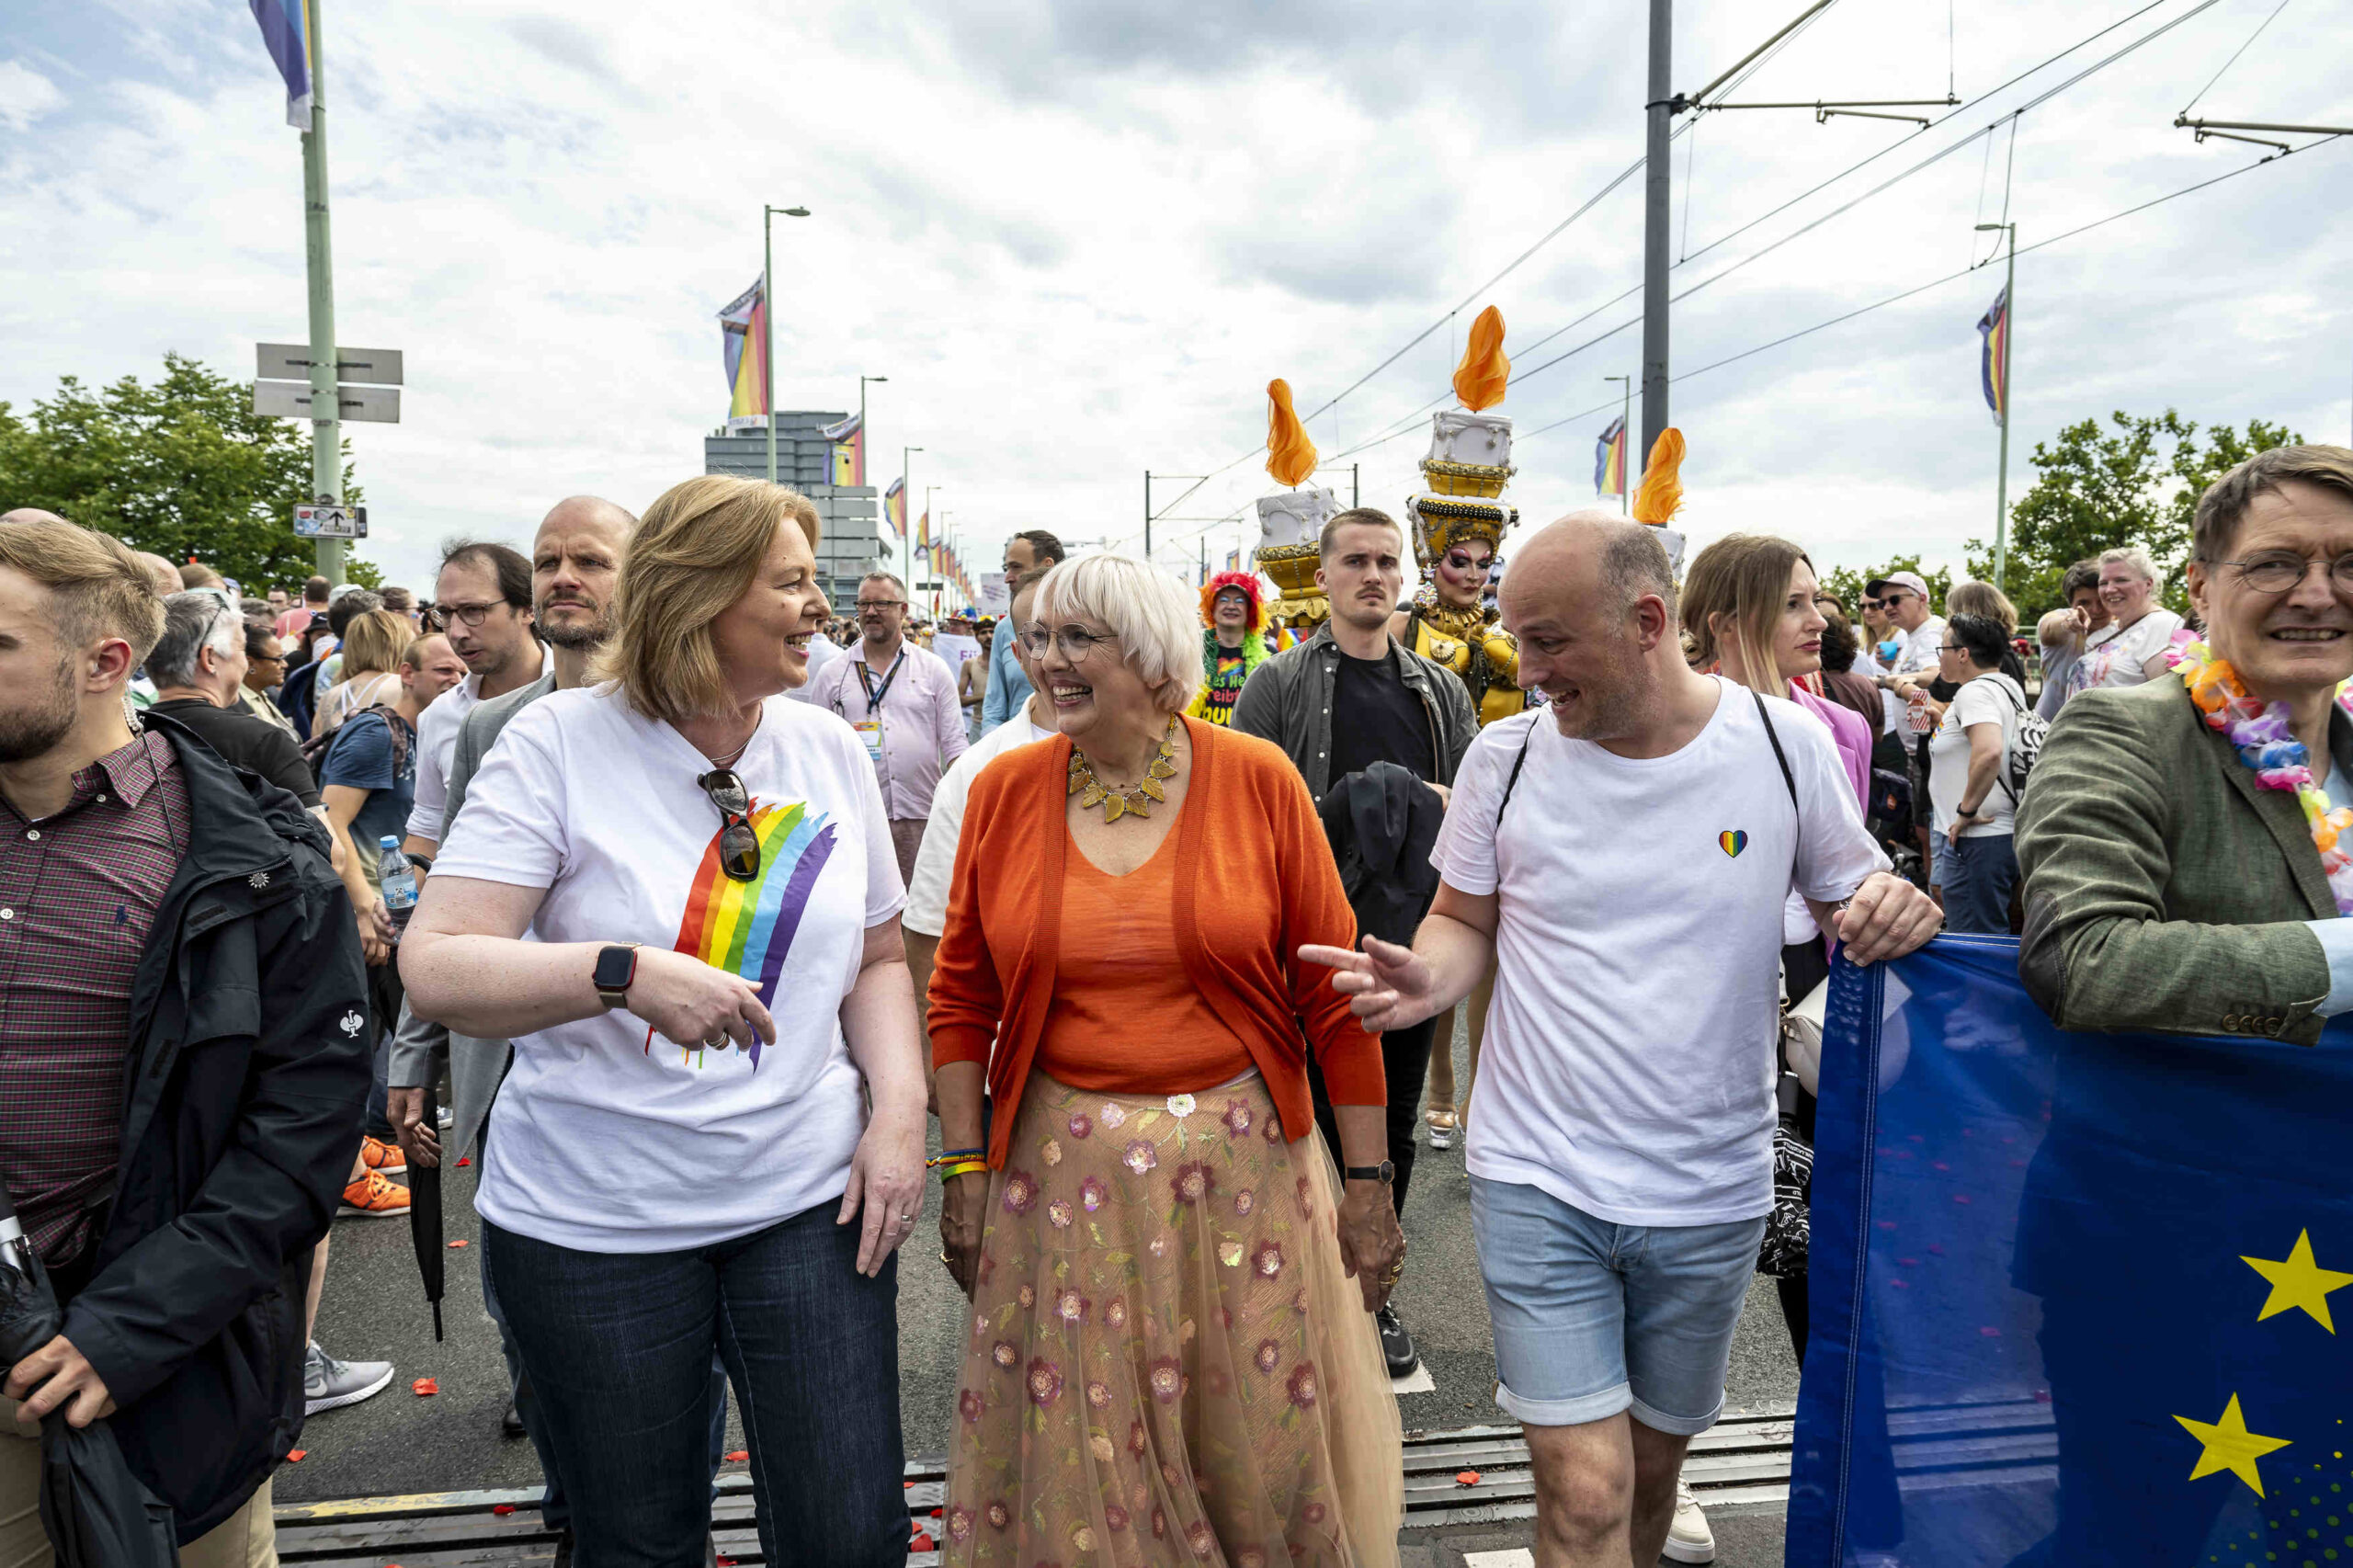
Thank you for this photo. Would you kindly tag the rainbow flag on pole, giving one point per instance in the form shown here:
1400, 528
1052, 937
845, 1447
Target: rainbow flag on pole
850, 449
1994, 331
743, 341
1610, 459
894, 511
286, 33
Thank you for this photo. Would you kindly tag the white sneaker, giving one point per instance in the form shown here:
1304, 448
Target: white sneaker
330, 1384
1688, 1538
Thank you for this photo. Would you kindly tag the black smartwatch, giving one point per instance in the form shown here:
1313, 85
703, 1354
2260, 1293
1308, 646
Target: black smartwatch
616, 967
1384, 1173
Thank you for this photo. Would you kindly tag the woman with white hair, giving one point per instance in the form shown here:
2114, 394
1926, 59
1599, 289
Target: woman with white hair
1166, 1344
2136, 645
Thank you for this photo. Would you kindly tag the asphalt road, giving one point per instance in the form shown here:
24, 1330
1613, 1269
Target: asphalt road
400, 1442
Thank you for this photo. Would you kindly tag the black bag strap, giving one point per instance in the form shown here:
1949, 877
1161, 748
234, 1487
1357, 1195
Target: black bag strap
1513, 782
1788, 778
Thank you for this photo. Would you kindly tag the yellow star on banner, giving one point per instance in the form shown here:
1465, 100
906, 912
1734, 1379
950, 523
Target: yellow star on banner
2298, 1281
2230, 1446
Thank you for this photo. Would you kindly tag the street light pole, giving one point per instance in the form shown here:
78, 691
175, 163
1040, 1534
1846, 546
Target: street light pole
326, 409
2010, 343
767, 304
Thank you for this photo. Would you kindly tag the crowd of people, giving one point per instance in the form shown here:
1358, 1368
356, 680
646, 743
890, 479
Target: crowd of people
727, 901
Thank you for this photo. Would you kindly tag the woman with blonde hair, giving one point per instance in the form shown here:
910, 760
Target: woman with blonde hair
683, 1156
1167, 1360
372, 646
2137, 643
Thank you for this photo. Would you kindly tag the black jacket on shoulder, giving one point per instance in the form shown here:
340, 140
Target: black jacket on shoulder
1287, 701
249, 1073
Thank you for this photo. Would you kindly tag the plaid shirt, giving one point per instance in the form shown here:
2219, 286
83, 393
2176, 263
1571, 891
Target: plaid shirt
78, 894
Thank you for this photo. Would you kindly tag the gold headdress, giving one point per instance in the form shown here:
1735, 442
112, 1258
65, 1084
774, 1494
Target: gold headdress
1470, 458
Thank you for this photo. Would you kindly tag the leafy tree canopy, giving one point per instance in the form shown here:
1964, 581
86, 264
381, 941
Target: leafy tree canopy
1847, 583
184, 467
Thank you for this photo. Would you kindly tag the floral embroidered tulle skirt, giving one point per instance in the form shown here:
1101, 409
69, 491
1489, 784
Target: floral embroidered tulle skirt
1165, 1361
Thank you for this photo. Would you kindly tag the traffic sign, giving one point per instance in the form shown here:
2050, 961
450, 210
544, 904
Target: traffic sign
291, 362
330, 522
292, 400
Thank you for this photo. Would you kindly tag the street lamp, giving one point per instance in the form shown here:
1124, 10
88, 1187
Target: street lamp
2009, 326
768, 299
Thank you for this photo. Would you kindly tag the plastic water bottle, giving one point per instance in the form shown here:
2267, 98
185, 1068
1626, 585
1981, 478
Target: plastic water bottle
397, 880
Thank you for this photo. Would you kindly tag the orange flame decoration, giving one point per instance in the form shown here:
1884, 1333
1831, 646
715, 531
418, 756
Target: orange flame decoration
1660, 495
1291, 456
1480, 379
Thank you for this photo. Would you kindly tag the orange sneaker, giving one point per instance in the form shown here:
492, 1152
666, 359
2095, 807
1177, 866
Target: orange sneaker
378, 1155
375, 1196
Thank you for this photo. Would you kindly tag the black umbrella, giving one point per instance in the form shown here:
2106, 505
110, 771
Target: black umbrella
96, 1512
424, 1208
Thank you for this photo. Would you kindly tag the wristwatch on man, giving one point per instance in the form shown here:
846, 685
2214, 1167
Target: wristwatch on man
616, 967
1384, 1173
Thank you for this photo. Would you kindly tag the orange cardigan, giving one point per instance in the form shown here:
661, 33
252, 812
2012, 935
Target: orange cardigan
1250, 854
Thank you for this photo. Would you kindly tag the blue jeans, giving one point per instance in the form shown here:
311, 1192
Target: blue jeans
555, 1509
1980, 872
618, 1344
1592, 1317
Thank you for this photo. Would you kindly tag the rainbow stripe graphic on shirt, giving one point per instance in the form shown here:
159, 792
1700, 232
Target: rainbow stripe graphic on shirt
1731, 841
747, 928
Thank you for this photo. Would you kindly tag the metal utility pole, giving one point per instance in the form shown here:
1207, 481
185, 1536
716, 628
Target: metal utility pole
326, 417
1147, 513
2010, 391
1656, 193
768, 306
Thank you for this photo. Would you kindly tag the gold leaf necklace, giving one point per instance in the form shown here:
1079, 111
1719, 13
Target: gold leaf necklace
1134, 801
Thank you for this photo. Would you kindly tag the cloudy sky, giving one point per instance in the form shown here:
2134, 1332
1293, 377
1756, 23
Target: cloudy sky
1079, 236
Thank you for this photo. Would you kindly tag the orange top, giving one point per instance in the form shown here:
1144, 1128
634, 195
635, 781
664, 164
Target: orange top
1124, 1018
1250, 862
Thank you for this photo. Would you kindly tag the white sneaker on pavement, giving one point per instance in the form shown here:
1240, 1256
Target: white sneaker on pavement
330, 1384
1688, 1538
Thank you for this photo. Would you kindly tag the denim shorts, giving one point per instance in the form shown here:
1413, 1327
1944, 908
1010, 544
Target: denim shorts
1592, 1318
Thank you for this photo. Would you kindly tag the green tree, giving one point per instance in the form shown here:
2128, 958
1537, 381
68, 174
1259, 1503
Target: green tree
182, 467
1847, 583
2135, 482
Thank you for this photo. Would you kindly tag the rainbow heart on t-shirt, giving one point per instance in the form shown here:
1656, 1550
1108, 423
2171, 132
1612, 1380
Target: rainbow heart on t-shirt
1733, 841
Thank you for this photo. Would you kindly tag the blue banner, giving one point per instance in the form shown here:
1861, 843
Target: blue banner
2074, 1296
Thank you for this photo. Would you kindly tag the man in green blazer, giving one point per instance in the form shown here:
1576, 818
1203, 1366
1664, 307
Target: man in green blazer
2166, 889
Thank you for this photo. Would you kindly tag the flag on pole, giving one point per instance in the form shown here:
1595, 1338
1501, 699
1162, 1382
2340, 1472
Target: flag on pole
743, 341
1610, 459
1233, 559
286, 33
894, 511
1993, 329
850, 449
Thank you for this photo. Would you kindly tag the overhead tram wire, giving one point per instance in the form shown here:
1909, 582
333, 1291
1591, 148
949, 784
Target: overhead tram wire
2234, 60
1940, 282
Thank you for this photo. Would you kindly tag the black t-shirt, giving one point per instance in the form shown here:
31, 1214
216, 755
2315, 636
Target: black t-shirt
255, 745
1376, 718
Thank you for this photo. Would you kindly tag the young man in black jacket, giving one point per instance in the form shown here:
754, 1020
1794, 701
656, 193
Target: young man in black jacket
1350, 697
182, 1059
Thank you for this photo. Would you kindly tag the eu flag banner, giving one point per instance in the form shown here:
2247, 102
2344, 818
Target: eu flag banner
2073, 1296
1994, 335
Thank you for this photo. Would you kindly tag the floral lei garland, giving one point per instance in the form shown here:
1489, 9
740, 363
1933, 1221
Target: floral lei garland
2265, 742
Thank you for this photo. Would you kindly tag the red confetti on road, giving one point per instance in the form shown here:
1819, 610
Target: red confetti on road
456, 1244
1466, 1478
741, 1455
466, 1162
501, 1509
422, 1387
922, 1543
296, 1455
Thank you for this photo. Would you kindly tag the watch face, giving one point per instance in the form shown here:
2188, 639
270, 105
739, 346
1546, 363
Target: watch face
615, 966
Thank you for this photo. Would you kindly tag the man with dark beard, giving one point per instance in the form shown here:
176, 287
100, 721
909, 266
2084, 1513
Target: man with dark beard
154, 900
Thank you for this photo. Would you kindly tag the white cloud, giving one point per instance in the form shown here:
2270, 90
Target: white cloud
1079, 238
26, 96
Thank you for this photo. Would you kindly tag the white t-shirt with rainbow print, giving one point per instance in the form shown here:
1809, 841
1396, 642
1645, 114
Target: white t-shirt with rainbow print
609, 1138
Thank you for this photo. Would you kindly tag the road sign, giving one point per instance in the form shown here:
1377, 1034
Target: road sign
292, 400
330, 522
291, 362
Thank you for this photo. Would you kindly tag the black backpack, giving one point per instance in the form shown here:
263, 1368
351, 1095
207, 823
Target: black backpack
315, 750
